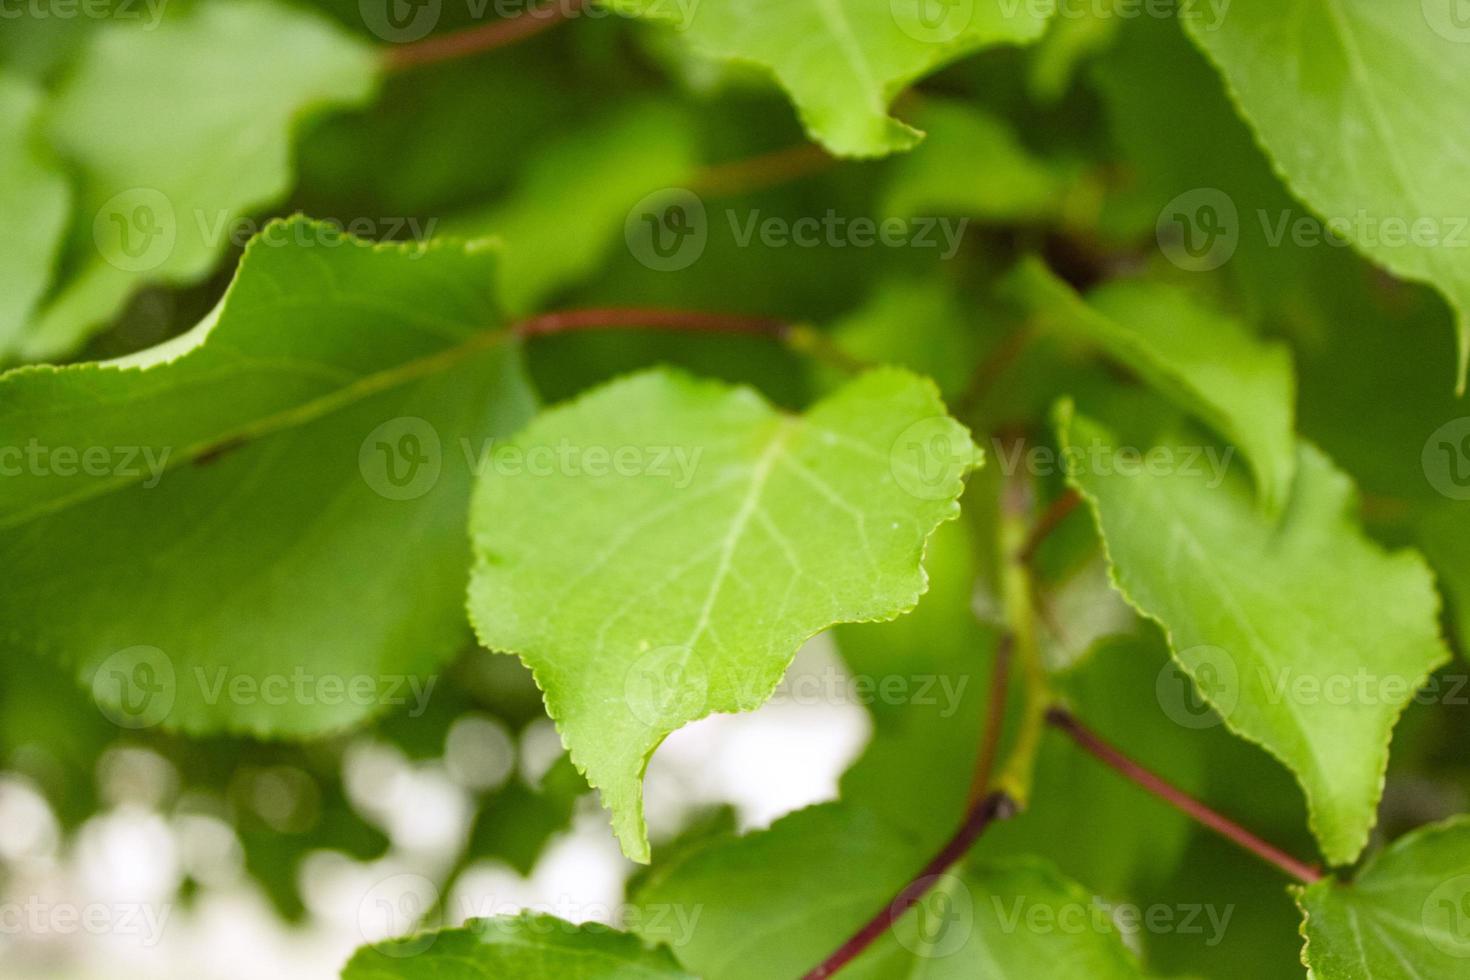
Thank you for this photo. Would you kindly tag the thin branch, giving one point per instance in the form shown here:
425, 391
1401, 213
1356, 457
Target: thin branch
633, 318
1112, 756
1000, 678
1055, 513
483, 37
761, 171
995, 806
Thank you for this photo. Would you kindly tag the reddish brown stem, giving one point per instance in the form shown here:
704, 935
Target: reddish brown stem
764, 170
483, 37
1112, 756
995, 806
1055, 513
1000, 677
617, 318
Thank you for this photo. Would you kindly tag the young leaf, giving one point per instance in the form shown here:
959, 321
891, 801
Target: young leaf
774, 903
1358, 102
258, 527
525, 947
1305, 636
658, 549
34, 198
161, 189
844, 61
1406, 916
1206, 363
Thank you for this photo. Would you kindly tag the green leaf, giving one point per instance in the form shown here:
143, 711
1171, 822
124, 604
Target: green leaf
1304, 635
658, 549
34, 198
826, 870
1205, 362
971, 163
1406, 915
1380, 83
844, 61
526, 947
279, 493
574, 197
179, 131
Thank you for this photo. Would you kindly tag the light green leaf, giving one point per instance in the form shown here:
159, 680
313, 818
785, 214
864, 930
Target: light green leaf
34, 198
163, 189
1406, 916
574, 197
228, 531
1205, 362
1361, 103
972, 164
1304, 635
827, 870
526, 947
657, 550
844, 61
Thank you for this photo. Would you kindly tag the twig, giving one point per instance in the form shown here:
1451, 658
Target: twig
1000, 678
1112, 756
620, 318
481, 38
993, 807
761, 171
1055, 513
